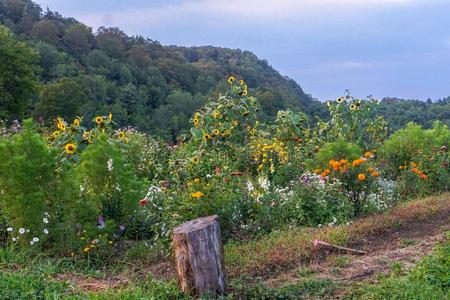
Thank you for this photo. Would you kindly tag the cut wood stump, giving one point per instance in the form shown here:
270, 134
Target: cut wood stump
199, 257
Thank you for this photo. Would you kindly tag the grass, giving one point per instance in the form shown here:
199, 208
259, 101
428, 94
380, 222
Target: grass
289, 248
430, 279
27, 276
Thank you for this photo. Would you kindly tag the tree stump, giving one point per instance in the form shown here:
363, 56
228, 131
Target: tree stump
199, 257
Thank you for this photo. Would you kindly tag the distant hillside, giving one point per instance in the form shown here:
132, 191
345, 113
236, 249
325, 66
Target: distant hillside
143, 83
400, 112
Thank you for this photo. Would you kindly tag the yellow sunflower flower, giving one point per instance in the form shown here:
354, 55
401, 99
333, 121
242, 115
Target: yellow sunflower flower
99, 120
244, 93
121, 135
216, 132
76, 122
70, 148
231, 79
206, 137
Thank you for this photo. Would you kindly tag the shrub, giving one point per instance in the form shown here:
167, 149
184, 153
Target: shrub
411, 142
27, 182
336, 150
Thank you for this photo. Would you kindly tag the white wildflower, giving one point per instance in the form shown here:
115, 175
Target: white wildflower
35, 239
45, 230
45, 220
9, 229
109, 164
22, 230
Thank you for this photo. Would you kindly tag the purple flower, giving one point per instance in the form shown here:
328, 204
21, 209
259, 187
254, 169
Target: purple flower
101, 222
122, 227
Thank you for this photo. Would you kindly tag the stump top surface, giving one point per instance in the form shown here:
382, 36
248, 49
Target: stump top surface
195, 224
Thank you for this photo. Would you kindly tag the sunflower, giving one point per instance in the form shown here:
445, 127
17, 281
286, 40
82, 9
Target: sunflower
86, 135
231, 79
55, 134
352, 106
234, 123
70, 148
99, 120
216, 132
244, 93
358, 104
62, 126
241, 82
328, 103
121, 135
361, 177
76, 122
195, 160
245, 113
339, 100
206, 137
196, 121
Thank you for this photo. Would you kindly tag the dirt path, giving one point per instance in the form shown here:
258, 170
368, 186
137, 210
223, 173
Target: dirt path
404, 245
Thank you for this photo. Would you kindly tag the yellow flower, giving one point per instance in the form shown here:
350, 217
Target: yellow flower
328, 103
110, 242
121, 135
55, 134
196, 121
197, 195
216, 132
62, 126
76, 122
197, 180
241, 82
206, 137
368, 154
110, 117
339, 100
86, 135
70, 148
352, 106
87, 249
244, 93
361, 177
99, 120
231, 79
195, 160
234, 123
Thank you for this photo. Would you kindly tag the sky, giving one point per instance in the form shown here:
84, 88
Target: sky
383, 48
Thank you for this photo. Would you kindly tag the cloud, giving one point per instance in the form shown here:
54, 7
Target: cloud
256, 11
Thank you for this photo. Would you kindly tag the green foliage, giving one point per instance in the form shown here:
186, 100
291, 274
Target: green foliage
109, 183
63, 98
427, 280
308, 288
356, 121
336, 150
18, 80
411, 142
27, 180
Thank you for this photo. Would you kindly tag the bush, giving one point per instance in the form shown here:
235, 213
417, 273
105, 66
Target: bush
28, 183
337, 151
407, 144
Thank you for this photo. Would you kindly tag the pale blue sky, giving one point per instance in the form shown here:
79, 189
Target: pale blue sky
384, 48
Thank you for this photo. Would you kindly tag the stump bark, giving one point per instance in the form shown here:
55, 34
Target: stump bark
199, 257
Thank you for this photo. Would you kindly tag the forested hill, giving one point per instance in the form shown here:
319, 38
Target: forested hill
143, 83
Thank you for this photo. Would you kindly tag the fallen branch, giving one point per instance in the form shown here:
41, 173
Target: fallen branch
327, 246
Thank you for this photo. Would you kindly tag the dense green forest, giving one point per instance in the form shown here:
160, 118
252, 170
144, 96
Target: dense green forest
51, 65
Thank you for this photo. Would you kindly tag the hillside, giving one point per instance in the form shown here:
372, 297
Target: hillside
143, 83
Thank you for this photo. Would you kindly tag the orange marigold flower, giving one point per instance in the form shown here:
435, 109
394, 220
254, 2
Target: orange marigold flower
197, 195
375, 174
361, 177
370, 169
357, 162
423, 176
